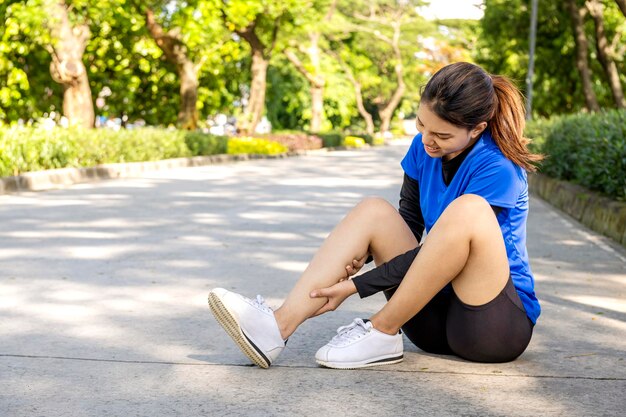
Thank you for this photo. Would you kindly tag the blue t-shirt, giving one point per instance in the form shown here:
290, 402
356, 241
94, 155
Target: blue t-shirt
488, 173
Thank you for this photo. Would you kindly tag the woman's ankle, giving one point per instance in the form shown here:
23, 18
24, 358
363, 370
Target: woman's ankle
384, 327
286, 329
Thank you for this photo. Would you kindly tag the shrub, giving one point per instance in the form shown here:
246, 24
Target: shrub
24, 149
588, 149
294, 140
242, 145
354, 141
203, 144
331, 139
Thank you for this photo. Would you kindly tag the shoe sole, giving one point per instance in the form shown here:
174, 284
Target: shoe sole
380, 362
229, 323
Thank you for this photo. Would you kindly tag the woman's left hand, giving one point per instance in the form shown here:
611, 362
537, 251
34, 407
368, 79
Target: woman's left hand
336, 294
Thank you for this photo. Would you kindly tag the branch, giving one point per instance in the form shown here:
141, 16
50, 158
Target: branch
274, 34
250, 36
331, 11
293, 58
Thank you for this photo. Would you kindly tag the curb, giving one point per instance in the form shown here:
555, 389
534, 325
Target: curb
595, 211
63, 177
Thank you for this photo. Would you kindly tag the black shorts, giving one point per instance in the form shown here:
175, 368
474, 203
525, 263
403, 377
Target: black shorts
498, 331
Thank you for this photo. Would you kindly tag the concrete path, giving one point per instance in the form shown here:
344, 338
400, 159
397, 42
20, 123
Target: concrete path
103, 302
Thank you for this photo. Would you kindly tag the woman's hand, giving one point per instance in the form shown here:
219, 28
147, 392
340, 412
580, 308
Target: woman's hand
356, 265
336, 294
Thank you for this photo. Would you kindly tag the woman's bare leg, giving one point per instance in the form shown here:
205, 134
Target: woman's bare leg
373, 226
464, 247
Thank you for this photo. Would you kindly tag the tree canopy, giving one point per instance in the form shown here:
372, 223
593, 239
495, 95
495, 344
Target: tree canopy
313, 65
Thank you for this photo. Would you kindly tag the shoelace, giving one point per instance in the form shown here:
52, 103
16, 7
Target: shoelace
351, 332
260, 303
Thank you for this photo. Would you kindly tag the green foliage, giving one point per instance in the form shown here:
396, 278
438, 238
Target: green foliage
287, 96
353, 142
248, 145
203, 144
331, 139
503, 47
588, 149
31, 149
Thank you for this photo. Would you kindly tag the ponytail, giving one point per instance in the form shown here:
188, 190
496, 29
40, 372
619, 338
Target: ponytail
507, 124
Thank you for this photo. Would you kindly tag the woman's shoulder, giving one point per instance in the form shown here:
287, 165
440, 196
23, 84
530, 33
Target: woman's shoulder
414, 158
490, 157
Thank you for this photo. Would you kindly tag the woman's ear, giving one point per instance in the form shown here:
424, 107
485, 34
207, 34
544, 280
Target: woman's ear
478, 129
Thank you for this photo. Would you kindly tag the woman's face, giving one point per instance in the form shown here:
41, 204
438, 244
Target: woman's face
442, 139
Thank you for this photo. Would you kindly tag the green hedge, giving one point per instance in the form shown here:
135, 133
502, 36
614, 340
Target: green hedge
24, 149
587, 149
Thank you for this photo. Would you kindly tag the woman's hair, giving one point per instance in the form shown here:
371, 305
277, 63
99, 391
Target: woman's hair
465, 95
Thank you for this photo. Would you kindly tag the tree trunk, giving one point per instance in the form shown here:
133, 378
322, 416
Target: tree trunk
175, 52
317, 86
67, 68
604, 53
316, 81
581, 55
260, 61
317, 108
256, 101
188, 114
387, 112
622, 6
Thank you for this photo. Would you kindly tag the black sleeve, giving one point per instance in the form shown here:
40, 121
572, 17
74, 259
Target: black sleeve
385, 276
410, 208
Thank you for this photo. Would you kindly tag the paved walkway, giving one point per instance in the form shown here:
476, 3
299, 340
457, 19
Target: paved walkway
103, 302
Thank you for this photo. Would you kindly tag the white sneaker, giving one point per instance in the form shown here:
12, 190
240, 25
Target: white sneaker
250, 323
359, 345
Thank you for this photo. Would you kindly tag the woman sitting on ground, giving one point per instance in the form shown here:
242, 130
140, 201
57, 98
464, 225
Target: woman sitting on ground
468, 289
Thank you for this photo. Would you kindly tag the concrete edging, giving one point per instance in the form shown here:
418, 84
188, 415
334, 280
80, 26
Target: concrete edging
595, 211
58, 178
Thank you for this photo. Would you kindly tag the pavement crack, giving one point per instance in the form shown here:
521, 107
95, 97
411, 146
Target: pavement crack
300, 367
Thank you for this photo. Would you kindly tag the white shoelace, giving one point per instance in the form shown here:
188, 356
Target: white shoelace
260, 303
353, 331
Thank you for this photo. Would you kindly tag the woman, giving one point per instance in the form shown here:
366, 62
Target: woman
468, 289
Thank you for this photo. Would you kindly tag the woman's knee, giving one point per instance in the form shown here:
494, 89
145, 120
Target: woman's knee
374, 206
469, 210
470, 204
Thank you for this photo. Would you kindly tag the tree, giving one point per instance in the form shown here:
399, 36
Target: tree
306, 40
376, 38
190, 35
25, 88
258, 23
577, 14
503, 49
383, 21
176, 52
63, 31
606, 51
